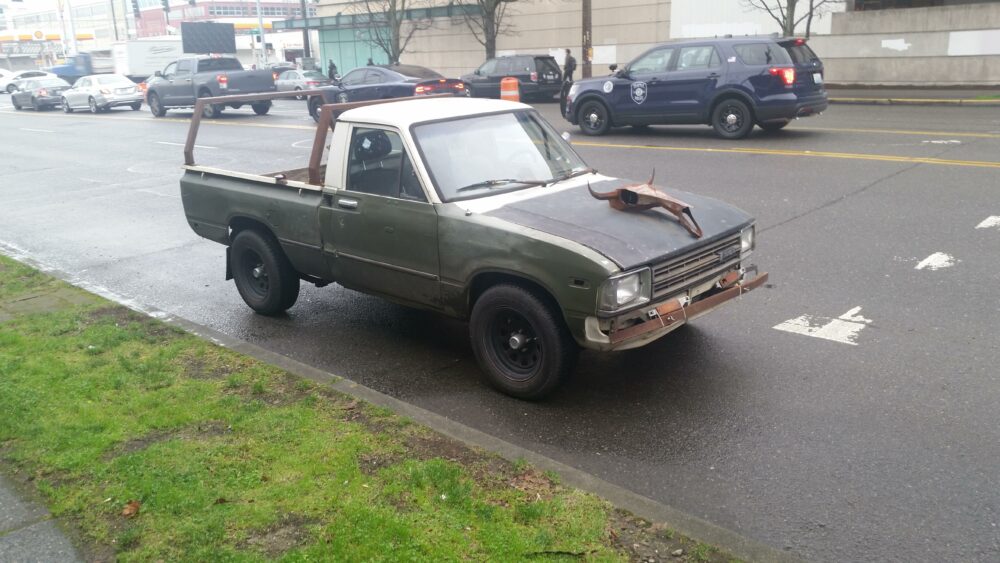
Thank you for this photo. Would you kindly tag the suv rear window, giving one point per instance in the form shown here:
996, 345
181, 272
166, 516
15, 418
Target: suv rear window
545, 65
801, 53
210, 65
762, 54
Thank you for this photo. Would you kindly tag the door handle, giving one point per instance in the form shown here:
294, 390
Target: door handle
347, 203
713, 75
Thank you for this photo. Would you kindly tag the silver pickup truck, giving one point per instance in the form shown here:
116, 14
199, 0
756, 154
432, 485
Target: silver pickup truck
479, 210
185, 80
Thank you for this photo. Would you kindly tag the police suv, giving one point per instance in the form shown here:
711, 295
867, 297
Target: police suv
730, 84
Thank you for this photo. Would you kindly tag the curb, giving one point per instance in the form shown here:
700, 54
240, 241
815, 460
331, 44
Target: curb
644, 507
916, 102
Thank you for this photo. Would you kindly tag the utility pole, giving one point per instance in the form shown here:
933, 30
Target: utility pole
114, 18
260, 33
588, 47
305, 31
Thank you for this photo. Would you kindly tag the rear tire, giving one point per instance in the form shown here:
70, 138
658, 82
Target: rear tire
210, 111
594, 118
11, 88
155, 106
732, 119
520, 342
136, 106
264, 276
261, 108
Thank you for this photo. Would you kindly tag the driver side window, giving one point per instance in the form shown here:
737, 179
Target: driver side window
379, 165
653, 62
83, 83
170, 70
488, 68
354, 77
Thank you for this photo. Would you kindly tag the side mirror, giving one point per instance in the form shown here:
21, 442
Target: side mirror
158, 74
476, 72
613, 67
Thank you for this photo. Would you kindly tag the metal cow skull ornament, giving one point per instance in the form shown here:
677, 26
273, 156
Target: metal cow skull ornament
640, 197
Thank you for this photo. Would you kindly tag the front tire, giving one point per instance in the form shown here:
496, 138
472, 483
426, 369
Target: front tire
521, 342
264, 277
34, 105
593, 118
65, 106
297, 89
155, 106
94, 108
732, 119
314, 105
262, 108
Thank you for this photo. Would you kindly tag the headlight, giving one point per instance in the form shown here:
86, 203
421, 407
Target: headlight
747, 239
573, 90
625, 290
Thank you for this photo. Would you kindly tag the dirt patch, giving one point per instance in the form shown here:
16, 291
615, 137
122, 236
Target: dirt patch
372, 463
487, 470
643, 541
287, 534
199, 431
122, 317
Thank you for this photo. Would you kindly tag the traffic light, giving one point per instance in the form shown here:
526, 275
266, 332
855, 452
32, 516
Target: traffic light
135, 9
166, 5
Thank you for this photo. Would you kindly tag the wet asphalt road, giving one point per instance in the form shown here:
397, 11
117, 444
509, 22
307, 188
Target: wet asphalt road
886, 449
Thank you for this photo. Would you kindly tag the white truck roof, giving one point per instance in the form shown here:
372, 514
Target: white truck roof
408, 111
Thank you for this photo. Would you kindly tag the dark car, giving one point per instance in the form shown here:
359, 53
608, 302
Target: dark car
538, 75
382, 82
39, 93
730, 84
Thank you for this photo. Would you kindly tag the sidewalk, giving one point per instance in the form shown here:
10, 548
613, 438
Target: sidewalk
28, 532
978, 97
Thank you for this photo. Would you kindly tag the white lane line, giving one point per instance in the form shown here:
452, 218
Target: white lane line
844, 329
36, 130
991, 222
937, 261
299, 144
182, 144
154, 192
943, 142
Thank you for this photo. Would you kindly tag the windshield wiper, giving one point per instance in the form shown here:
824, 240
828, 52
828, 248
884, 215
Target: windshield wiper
500, 182
572, 174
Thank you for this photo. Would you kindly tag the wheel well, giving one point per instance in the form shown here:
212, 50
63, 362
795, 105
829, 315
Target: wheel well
482, 282
582, 102
731, 96
206, 91
237, 224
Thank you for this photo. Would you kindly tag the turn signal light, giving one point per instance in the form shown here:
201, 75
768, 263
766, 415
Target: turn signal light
43, 92
787, 75
421, 90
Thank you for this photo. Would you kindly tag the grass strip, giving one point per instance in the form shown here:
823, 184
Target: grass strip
156, 445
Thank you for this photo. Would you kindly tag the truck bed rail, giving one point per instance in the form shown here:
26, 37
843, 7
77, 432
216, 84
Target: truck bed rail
328, 114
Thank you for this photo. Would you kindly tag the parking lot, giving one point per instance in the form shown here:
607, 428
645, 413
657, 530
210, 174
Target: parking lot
847, 411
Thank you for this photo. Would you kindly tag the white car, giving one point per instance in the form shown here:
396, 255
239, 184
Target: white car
8, 80
101, 92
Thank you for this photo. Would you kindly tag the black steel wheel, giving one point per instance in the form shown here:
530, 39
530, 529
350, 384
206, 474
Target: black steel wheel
155, 107
261, 108
521, 342
594, 118
264, 277
732, 119
314, 103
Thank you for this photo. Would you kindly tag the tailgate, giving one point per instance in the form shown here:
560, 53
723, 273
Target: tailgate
250, 81
808, 67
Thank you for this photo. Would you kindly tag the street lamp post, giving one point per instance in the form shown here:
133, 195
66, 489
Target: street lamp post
260, 33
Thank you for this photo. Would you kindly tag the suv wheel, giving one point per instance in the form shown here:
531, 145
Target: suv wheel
732, 119
520, 342
264, 277
593, 118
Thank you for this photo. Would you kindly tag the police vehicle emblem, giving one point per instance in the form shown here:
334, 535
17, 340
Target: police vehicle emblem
638, 92
608, 87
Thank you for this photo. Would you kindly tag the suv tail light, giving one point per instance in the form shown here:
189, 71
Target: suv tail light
43, 92
787, 75
534, 77
223, 80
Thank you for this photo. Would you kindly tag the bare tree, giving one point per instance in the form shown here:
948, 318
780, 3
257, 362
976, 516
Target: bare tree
392, 23
487, 21
786, 12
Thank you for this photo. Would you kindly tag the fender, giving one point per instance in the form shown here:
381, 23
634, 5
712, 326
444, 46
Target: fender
593, 94
737, 91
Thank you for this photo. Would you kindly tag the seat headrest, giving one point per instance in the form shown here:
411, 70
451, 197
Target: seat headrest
372, 145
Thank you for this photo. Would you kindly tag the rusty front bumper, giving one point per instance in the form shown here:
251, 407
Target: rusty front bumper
672, 314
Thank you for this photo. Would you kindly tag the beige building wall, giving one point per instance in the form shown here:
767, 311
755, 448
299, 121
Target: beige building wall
621, 29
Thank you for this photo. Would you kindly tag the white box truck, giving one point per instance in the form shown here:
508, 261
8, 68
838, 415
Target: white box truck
141, 58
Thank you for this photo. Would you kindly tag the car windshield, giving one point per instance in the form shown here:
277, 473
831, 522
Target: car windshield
488, 154
114, 80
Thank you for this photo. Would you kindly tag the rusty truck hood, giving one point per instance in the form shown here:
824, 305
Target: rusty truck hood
629, 239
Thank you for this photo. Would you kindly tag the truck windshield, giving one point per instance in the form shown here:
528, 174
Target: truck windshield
484, 155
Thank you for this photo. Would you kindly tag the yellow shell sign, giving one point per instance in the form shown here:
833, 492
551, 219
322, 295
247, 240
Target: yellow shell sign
39, 35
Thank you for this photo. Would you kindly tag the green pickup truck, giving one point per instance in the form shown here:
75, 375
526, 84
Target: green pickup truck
479, 210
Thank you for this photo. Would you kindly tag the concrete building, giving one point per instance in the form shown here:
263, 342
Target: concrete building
867, 42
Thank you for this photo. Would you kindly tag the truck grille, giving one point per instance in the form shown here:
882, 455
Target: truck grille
694, 267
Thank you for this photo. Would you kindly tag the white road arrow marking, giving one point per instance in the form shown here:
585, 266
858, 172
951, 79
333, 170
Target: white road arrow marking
991, 222
937, 261
844, 329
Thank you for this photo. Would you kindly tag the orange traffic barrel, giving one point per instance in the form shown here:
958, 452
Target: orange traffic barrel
510, 89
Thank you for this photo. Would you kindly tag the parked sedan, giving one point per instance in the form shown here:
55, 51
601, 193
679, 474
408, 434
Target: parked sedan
101, 92
9, 83
39, 93
382, 82
298, 80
